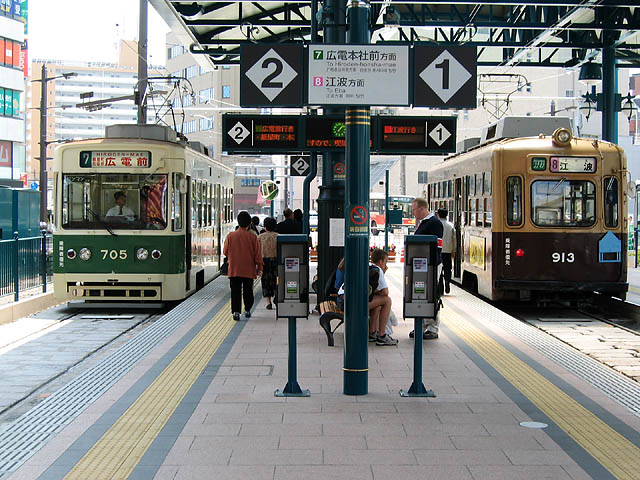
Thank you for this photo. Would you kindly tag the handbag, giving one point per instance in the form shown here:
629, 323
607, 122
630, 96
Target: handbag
224, 269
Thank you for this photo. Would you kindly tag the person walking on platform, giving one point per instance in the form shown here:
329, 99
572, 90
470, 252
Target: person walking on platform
242, 249
289, 225
268, 244
427, 224
448, 247
255, 223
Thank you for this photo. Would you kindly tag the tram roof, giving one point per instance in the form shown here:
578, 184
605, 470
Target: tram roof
549, 33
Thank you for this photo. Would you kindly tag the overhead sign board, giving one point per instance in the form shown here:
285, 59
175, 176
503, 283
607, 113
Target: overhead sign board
415, 135
358, 75
115, 159
262, 133
299, 165
290, 133
271, 75
445, 77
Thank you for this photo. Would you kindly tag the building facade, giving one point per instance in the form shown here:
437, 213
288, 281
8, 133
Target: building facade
12, 86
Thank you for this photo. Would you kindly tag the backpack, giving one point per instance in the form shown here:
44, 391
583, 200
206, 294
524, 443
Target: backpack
374, 278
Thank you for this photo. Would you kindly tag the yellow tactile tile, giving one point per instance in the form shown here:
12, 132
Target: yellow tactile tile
613, 451
120, 449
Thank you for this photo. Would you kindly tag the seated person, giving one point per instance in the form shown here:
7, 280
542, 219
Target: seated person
339, 284
120, 210
380, 303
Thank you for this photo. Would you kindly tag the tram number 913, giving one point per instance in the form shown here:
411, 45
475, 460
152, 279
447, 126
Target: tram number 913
562, 257
114, 254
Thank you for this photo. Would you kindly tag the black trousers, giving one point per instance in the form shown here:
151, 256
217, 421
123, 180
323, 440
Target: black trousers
241, 288
446, 267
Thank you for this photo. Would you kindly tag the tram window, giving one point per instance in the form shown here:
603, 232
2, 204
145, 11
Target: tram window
480, 211
563, 203
611, 202
469, 184
450, 188
479, 182
488, 208
176, 210
472, 210
105, 201
514, 201
487, 183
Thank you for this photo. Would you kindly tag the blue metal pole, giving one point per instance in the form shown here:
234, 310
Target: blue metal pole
16, 282
386, 211
272, 178
43, 263
292, 388
610, 97
358, 124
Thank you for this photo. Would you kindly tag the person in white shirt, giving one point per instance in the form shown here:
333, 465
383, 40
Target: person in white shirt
121, 209
448, 247
380, 304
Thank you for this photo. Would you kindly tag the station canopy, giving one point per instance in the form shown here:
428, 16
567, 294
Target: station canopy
552, 33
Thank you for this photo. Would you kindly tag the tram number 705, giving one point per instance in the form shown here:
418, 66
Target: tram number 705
114, 254
562, 257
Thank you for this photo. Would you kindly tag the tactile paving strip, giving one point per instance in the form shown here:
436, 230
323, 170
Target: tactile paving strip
611, 449
35, 428
614, 385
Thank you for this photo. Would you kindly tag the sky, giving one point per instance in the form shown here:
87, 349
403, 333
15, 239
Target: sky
89, 30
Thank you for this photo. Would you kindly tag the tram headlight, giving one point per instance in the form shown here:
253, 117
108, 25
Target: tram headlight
85, 254
562, 136
71, 254
156, 254
142, 254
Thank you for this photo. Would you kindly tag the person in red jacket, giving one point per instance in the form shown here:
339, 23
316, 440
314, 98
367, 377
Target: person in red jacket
242, 249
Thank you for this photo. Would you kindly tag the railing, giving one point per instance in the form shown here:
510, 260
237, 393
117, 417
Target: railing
25, 263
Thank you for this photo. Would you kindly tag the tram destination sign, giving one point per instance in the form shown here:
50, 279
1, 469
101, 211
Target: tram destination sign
115, 159
415, 135
358, 75
260, 133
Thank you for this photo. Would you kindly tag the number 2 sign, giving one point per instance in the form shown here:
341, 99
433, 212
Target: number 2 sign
271, 75
445, 77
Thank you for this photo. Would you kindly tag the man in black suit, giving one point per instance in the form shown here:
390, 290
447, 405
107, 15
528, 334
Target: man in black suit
427, 224
288, 225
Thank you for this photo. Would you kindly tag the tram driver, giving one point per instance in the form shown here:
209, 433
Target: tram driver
120, 210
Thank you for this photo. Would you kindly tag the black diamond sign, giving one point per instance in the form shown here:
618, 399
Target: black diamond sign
299, 165
271, 75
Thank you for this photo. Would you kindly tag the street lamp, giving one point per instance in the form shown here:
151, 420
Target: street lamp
43, 136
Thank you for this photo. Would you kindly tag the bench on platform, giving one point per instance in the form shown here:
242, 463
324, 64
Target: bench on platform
329, 311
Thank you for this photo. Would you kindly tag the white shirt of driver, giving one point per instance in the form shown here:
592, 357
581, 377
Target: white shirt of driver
115, 212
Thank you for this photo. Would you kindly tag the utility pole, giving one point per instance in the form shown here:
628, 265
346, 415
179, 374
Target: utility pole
142, 63
43, 144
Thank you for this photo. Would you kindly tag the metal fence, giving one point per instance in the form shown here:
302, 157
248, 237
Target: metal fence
25, 263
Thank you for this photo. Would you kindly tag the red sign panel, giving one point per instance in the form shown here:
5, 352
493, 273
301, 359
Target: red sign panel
5, 154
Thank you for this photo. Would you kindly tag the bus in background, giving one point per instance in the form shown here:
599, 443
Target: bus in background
377, 212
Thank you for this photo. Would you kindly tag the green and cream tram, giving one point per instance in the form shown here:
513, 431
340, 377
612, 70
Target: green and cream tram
139, 216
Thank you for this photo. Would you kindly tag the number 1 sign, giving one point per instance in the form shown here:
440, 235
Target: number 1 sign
445, 77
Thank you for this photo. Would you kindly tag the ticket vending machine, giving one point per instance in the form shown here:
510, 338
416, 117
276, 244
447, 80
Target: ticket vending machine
420, 299
292, 299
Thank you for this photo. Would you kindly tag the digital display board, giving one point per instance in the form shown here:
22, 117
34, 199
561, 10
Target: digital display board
119, 159
415, 135
326, 133
264, 133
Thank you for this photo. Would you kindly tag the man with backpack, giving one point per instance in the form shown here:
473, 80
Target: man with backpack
379, 300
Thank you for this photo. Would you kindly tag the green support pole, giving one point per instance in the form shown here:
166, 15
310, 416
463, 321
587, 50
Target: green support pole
386, 211
331, 196
610, 97
358, 124
272, 178
306, 190
43, 262
292, 388
16, 281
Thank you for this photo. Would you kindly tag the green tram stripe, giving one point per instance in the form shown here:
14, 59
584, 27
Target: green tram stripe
117, 254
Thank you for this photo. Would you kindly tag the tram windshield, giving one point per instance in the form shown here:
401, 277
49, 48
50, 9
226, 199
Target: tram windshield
106, 201
563, 203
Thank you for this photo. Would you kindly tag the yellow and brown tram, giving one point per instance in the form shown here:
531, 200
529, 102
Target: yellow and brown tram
537, 215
